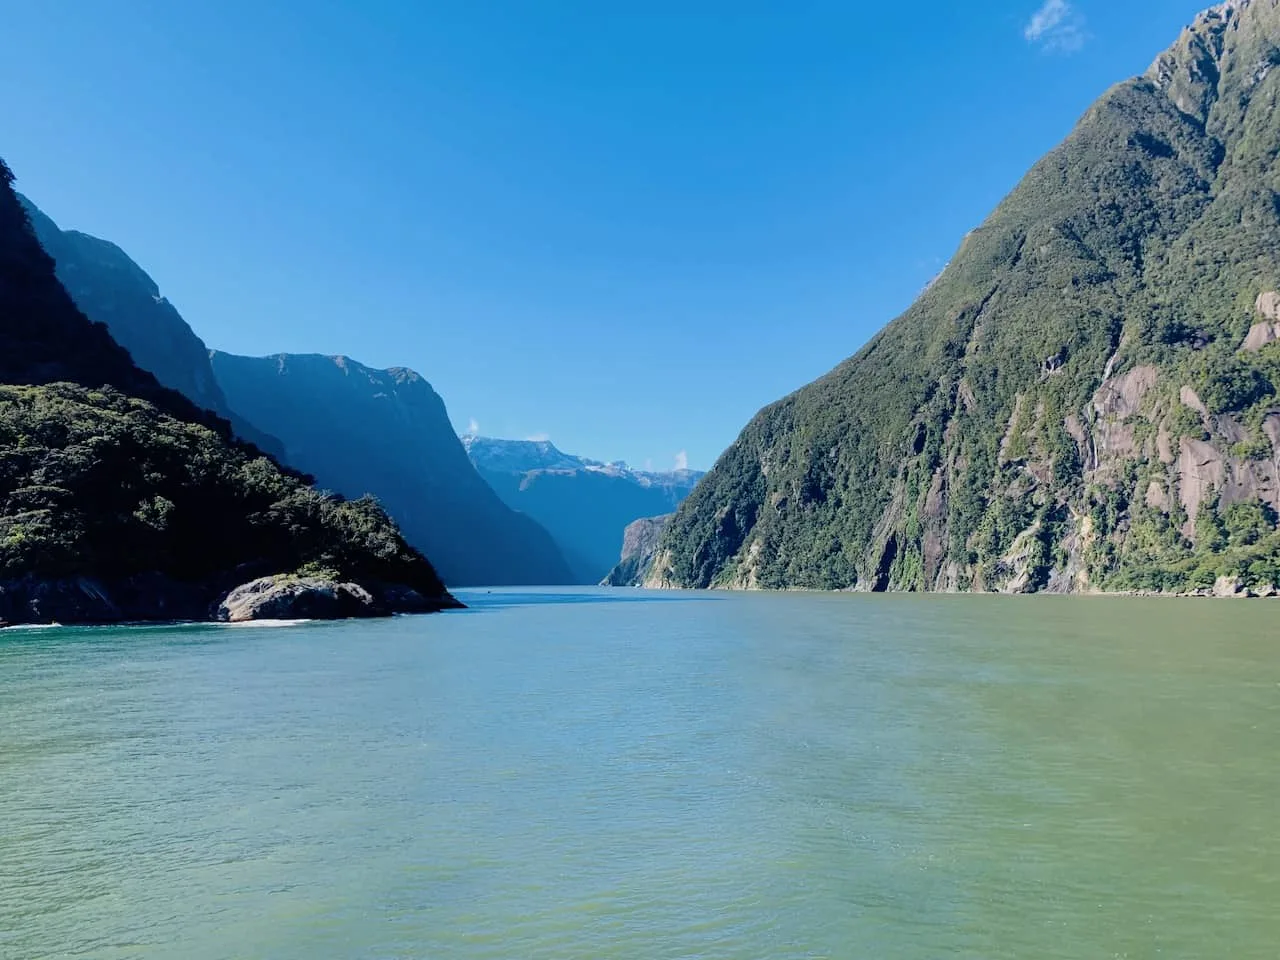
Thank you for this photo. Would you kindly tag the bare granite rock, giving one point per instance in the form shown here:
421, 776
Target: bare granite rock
1268, 306
1267, 329
298, 598
1228, 587
639, 544
1201, 473
1122, 396
1191, 399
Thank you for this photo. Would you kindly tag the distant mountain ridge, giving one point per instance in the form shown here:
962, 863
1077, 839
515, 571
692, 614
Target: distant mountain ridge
526, 456
585, 504
360, 430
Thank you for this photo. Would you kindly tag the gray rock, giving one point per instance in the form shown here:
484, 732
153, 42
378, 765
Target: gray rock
639, 545
1227, 587
1122, 396
298, 598
1268, 305
1260, 334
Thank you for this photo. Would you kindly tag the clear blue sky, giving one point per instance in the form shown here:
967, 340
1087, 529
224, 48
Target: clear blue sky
624, 225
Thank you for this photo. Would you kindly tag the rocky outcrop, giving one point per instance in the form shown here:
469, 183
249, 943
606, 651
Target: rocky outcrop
1201, 472
298, 598
1266, 330
1121, 396
639, 544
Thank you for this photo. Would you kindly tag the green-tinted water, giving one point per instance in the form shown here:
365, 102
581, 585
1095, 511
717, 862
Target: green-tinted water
711, 777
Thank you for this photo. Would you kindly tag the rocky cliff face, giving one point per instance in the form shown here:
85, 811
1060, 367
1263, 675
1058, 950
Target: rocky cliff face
639, 547
109, 288
585, 504
1085, 399
360, 430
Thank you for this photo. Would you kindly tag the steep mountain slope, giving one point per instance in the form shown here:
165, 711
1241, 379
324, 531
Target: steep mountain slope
121, 499
359, 430
109, 288
1085, 399
585, 504
639, 546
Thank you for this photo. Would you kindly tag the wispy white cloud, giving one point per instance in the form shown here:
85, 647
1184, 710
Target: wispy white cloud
539, 437
1057, 27
473, 427
682, 460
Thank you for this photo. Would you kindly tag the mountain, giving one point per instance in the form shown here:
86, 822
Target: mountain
521, 456
109, 288
639, 546
1085, 399
586, 504
121, 499
361, 430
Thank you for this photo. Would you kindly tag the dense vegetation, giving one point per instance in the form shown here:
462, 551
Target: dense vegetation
94, 481
106, 474
1068, 406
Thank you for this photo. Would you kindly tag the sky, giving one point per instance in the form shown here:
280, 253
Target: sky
621, 226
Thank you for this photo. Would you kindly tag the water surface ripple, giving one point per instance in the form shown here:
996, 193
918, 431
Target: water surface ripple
593, 775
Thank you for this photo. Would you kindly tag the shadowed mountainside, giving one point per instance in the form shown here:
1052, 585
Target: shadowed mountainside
120, 499
361, 430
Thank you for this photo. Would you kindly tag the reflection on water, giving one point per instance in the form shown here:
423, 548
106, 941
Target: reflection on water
599, 774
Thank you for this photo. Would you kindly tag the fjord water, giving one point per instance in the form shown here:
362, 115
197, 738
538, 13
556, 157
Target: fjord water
596, 775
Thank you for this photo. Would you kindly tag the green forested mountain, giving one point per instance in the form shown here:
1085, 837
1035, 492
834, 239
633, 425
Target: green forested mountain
1086, 398
122, 499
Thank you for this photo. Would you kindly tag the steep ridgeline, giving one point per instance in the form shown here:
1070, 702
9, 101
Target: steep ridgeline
109, 288
1085, 399
639, 547
120, 499
585, 504
386, 432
